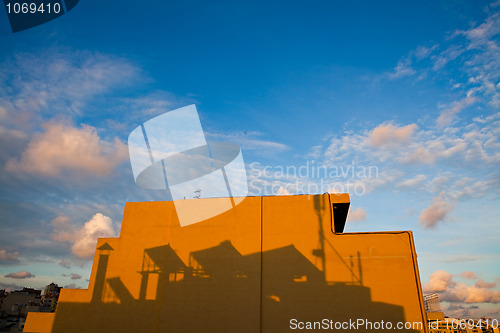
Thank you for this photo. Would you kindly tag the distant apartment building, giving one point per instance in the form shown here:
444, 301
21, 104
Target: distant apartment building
431, 303
52, 289
17, 302
15, 305
50, 297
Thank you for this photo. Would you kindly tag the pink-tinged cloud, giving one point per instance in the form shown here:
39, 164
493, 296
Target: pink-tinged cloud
483, 284
482, 295
62, 148
75, 276
421, 155
451, 291
8, 257
438, 281
436, 212
469, 275
65, 263
63, 231
20, 275
356, 215
390, 135
71, 286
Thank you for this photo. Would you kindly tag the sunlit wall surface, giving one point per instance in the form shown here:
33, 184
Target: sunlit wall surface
262, 266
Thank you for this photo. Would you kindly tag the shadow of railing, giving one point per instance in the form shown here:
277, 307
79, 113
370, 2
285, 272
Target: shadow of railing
221, 290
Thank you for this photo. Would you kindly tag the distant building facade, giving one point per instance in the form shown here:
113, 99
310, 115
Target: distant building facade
52, 289
50, 297
15, 307
431, 303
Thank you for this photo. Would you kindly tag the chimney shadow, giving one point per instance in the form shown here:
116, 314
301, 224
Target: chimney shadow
221, 290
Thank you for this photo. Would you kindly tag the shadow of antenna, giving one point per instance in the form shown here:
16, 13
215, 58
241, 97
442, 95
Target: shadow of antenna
319, 206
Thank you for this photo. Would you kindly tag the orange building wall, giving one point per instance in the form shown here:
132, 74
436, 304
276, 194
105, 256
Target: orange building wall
250, 269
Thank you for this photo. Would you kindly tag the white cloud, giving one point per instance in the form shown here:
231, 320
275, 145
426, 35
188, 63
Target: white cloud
469, 257
448, 113
436, 212
155, 103
429, 151
473, 188
86, 238
403, 68
20, 275
449, 54
63, 148
369, 184
83, 239
476, 142
412, 182
421, 155
452, 242
248, 140
483, 67
439, 182
437, 162
356, 215
282, 191
473, 52
482, 34
483, 120
61, 81
423, 52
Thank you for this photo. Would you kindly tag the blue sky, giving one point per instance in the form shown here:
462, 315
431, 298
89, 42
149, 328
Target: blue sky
407, 88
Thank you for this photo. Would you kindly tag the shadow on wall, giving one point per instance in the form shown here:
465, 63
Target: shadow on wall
221, 290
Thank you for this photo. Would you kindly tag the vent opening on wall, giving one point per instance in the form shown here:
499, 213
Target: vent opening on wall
340, 211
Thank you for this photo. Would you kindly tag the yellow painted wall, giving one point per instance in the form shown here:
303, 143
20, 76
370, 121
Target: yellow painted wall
251, 269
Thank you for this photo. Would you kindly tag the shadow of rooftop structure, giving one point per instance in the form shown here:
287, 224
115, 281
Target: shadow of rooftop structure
252, 269
213, 295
